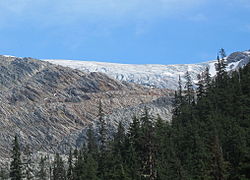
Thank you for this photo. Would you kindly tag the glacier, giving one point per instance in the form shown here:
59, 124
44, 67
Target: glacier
153, 75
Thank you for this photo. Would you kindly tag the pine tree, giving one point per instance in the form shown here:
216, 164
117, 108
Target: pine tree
78, 166
16, 164
221, 69
4, 175
27, 163
102, 134
189, 88
70, 166
179, 87
119, 139
90, 168
58, 169
223, 53
118, 157
133, 144
102, 128
207, 77
148, 147
218, 164
91, 142
200, 87
42, 174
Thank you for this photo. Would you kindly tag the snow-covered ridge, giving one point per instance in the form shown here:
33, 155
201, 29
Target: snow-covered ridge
162, 76
153, 75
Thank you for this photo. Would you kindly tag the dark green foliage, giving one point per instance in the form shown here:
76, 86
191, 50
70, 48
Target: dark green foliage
102, 128
70, 166
189, 97
27, 163
4, 175
59, 172
16, 164
89, 168
78, 166
42, 174
92, 146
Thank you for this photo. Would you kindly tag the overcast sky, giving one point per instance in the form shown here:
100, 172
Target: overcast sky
124, 31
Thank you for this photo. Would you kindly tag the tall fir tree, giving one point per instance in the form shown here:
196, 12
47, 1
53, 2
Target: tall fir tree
92, 146
102, 127
70, 166
59, 172
42, 173
189, 88
16, 163
148, 151
28, 163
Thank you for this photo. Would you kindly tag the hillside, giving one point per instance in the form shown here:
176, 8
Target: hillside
49, 106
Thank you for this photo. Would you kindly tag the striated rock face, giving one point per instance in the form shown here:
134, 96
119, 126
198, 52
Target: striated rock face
49, 106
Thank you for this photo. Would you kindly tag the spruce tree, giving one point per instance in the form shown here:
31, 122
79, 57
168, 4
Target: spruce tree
28, 163
92, 146
58, 168
90, 168
133, 158
70, 166
200, 87
78, 165
148, 149
102, 125
16, 164
119, 139
42, 174
4, 175
189, 88
102, 134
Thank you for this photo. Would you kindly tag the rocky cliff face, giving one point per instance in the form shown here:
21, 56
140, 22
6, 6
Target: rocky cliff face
49, 106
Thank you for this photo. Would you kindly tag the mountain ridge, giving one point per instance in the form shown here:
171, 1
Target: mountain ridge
153, 75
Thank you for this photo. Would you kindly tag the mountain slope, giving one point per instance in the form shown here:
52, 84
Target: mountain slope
160, 76
49, 106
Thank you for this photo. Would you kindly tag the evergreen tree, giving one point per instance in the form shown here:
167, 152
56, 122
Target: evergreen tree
27, 163
207, 78
92, 142
223, 53
189, 88
148, 150
119, 139
102, 134
133, 144
78, 167
42, 174
58, 169
16, 164
70, 166
102, 128
221, 69
200, 87
218, 164
90, 168
4, 175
